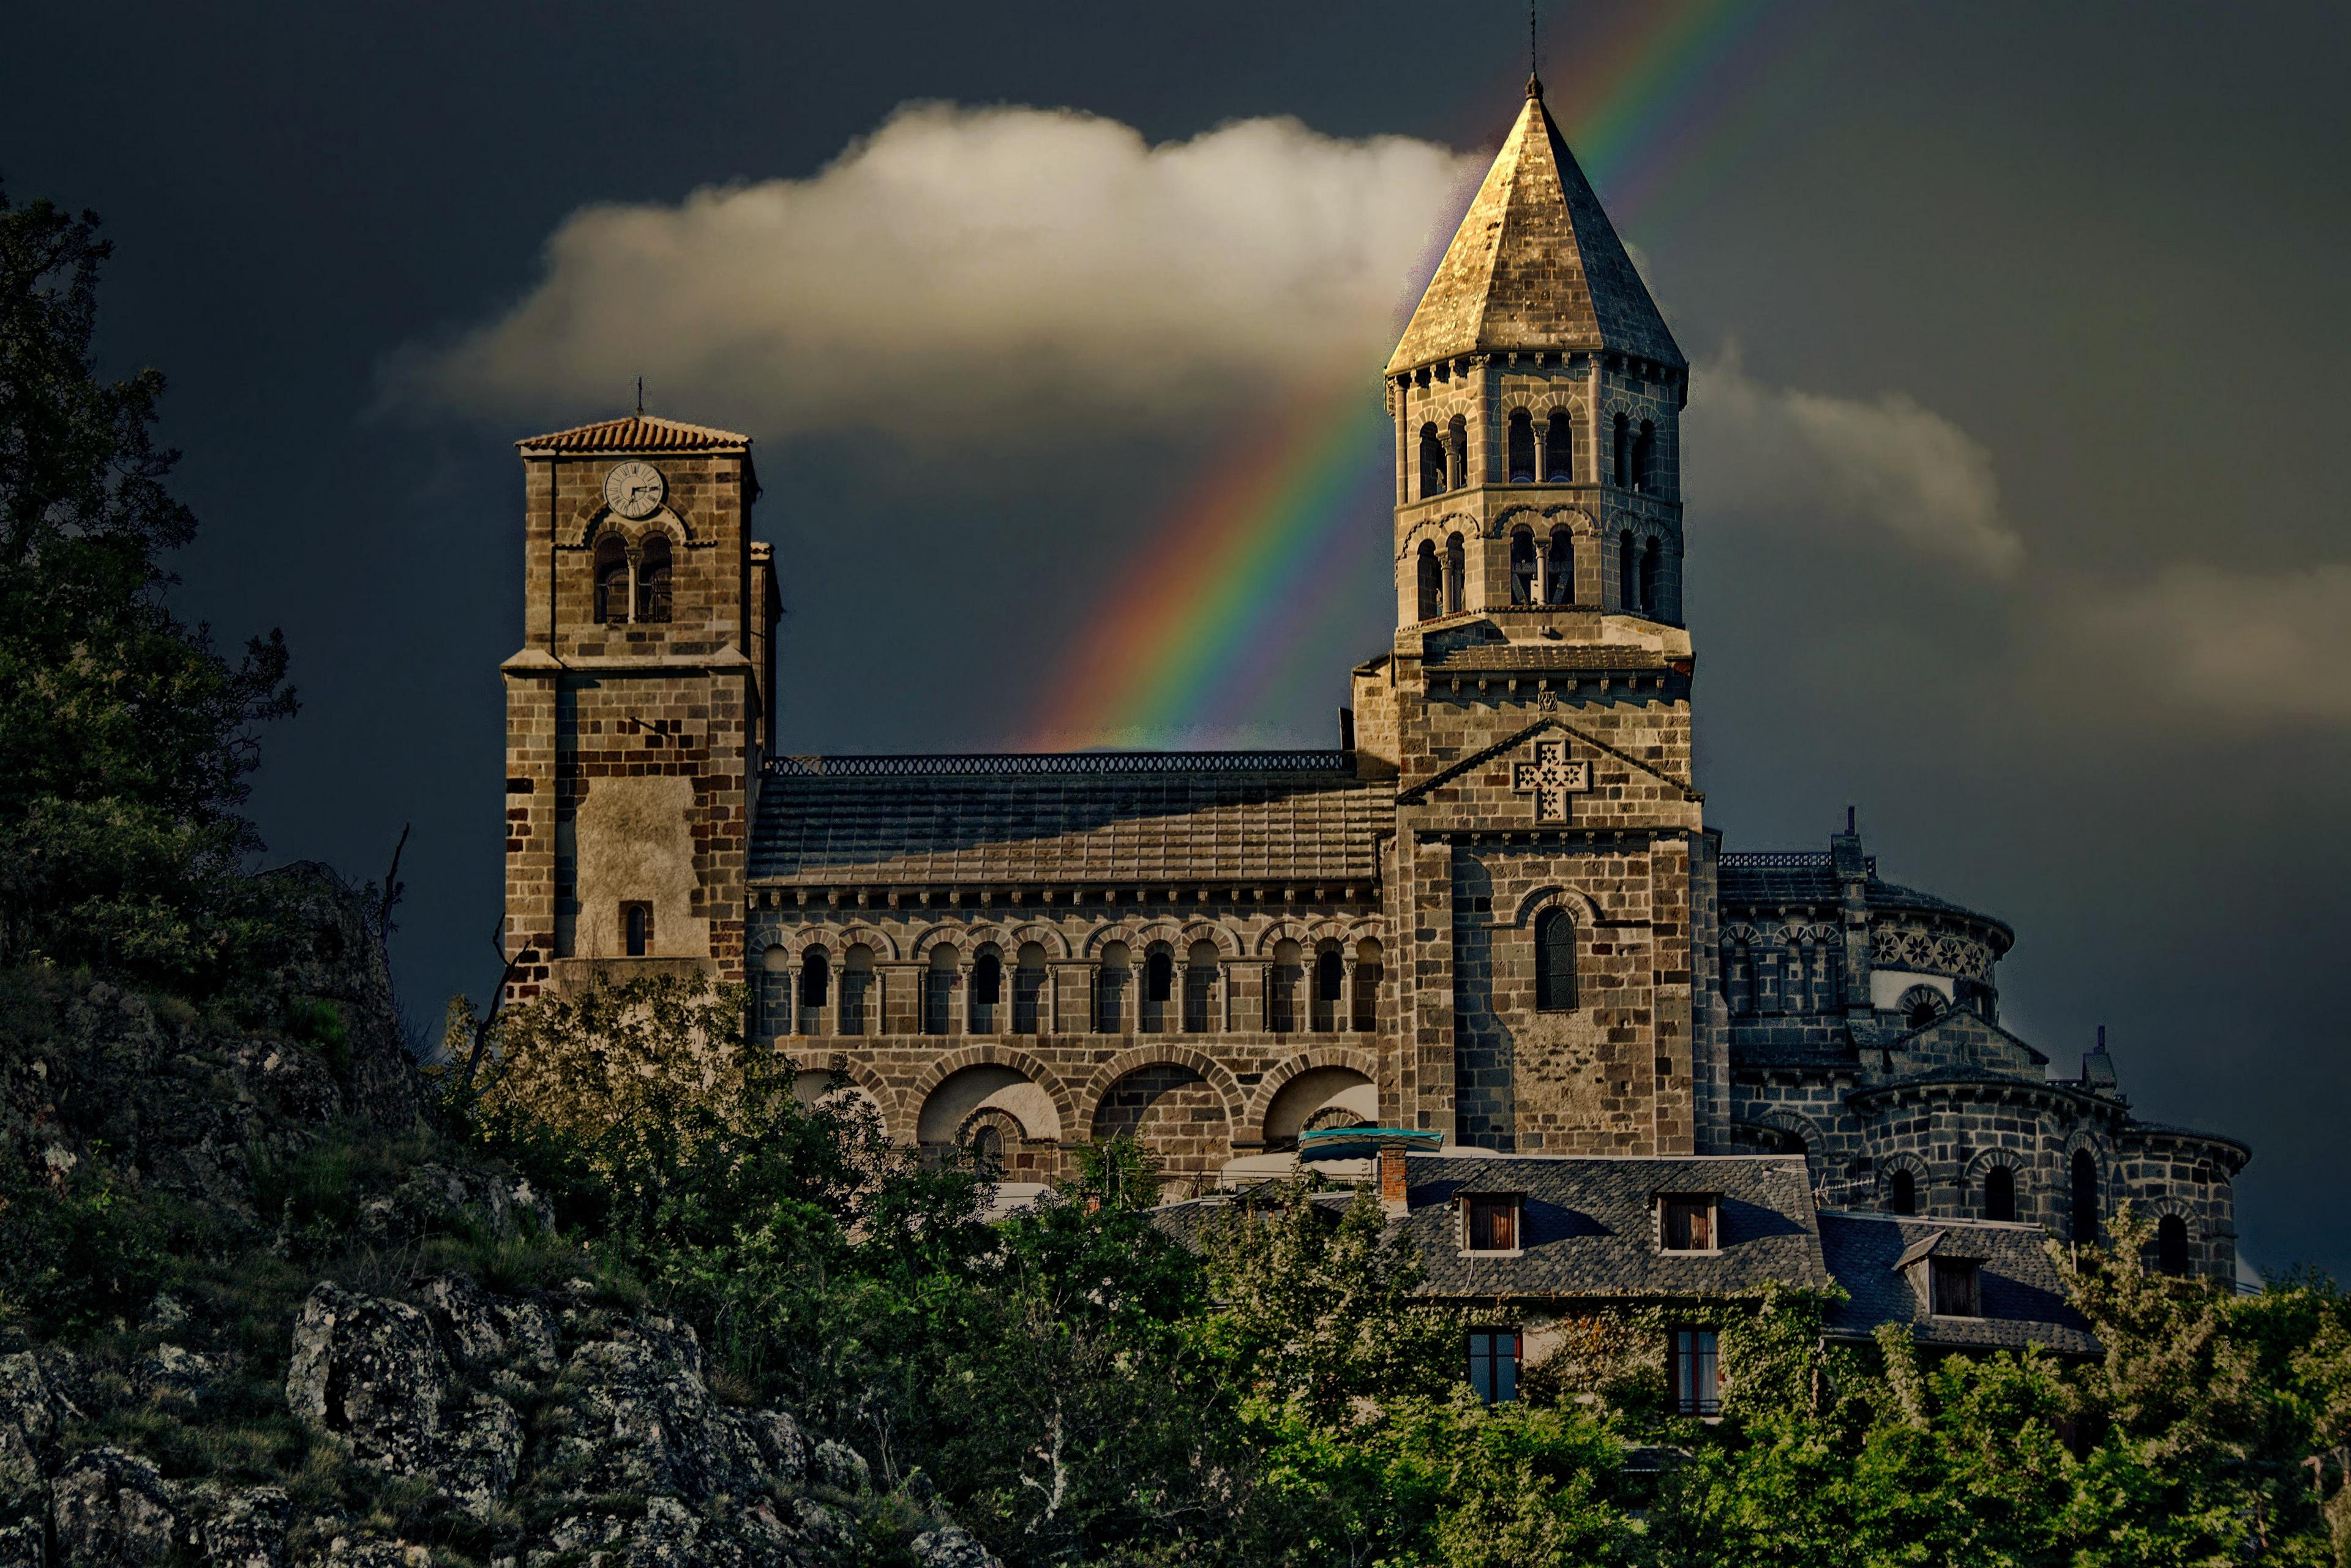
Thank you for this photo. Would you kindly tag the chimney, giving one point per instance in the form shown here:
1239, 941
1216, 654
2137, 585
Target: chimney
1392, 1188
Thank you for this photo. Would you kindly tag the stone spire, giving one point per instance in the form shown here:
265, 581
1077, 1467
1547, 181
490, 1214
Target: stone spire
1535, 265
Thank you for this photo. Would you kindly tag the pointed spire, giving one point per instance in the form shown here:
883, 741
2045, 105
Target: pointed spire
1535, 265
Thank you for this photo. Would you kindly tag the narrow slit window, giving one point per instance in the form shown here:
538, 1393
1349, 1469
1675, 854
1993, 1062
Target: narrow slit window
637, 929
652, 580
1522, 448
1559, 568
1432, 461
1523, 566
1559, 449
1554, 962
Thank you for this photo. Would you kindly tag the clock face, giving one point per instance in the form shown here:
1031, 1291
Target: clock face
634, 489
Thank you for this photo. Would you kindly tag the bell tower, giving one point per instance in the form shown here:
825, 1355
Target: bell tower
638, 710
1551, 862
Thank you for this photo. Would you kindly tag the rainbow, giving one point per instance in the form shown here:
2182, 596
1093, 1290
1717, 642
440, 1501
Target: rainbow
1234, 579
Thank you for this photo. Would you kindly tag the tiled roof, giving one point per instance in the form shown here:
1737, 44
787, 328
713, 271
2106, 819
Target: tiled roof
2024, 1300
1534, 265
1240, 818
636, 432
1590, 1227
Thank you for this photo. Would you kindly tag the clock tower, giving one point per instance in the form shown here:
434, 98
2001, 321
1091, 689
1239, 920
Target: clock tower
639, 708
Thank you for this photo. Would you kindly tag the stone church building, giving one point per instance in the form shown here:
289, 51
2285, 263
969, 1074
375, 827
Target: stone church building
1493, 918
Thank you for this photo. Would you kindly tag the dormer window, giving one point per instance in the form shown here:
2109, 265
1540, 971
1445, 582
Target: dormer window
1688, 1224
1490, 1222
1954, 1284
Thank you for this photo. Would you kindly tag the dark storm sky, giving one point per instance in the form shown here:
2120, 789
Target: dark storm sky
2094, 251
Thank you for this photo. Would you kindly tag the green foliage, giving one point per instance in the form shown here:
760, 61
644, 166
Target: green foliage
125, 739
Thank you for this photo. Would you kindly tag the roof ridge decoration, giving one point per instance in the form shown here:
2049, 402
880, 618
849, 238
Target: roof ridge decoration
637, 432
1535, 265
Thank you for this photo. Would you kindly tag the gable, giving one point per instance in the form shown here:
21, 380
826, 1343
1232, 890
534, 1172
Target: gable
1523, 741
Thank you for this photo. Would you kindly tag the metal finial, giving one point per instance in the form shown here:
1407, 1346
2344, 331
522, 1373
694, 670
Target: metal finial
641, 394
1534, 81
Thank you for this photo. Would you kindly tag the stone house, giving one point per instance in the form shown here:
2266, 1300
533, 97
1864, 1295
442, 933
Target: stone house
1493, 916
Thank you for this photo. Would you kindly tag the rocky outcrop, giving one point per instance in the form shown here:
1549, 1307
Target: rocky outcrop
33, 1402
111, 1509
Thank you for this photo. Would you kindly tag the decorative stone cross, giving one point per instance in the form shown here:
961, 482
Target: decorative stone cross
1551, 778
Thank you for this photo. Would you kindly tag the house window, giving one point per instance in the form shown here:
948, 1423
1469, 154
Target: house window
2171, 1245
1952, 1281
1688, 1224
1490, 1224
1554, 962
637, 928
1698, 1372
1494, 1365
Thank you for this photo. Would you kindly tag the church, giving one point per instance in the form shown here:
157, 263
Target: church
1490, 932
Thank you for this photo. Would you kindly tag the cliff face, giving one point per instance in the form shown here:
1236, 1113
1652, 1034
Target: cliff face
256, 1311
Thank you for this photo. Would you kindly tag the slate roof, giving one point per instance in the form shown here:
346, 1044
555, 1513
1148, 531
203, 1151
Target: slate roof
1768, 886
1183, 818
1534, 265
2024, 1300
636, 432
1590, 1227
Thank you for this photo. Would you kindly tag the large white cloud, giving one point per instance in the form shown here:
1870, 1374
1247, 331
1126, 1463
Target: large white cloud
966, 271
1886, 464
2234, 648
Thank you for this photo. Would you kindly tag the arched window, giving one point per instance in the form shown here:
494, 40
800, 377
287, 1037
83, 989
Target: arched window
1456, 453
1628, 579
1554, 962
652, 580
1368, 985
1559, 449
1457, 572
611, 580
1921, 1006
1902, 1193
938, 991
1559, 568
856, 986
1329, 988
773, 980
1522, 566
816, 989
1112, 983
1200, 988
637, 928
1622, 467
1158, 986
987, 991
1432, 582
1644, 445
1522, 448
1650, 602
2000, 1193
2086, 1198
1432, 461
988, 1148
2171, 1245
1029, 990
1282, 983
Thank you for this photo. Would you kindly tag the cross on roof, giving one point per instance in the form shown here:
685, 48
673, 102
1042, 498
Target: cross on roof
1551, 778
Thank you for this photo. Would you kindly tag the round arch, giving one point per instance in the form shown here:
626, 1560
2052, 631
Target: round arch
990, 1054
1252, 1124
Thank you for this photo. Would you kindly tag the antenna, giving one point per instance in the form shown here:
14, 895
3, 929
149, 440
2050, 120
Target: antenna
1848, 820
1534, 81
641, 394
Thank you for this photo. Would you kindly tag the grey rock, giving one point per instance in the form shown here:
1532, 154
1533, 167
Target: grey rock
368, 1370
247, 1530
24, 1544
641, 1420
111, 1509
165, 1314
33, 1400
825, 1529
491, 1201
783, 1447
478, 1461
172, 1375
491, 1331
838, 1465
952, 1547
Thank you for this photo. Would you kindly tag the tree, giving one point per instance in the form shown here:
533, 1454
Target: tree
125, 739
